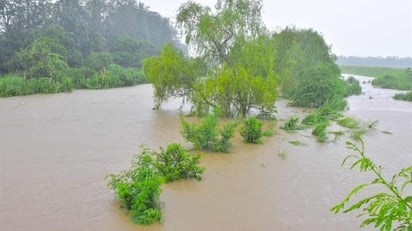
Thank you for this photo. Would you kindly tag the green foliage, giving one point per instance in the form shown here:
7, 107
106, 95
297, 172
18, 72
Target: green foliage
215, 34
129, 52
45, 57
98, 61
14, 86
171, 73
387, 210
303, 57
237, 54
349, 122
251, 130
352, 87
318, 85
207, 136
73, 78
403, 96
292, 124
138, 189
385, 77
328, 111
320, 131
175, 163
364, 129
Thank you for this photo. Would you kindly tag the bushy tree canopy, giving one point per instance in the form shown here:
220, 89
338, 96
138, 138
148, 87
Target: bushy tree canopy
236, 54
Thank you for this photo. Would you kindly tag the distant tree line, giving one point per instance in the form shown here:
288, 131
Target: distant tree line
41, 38
375, 61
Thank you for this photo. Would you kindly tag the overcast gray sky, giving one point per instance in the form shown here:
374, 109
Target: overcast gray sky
352, 27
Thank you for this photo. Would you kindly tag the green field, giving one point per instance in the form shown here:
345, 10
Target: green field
385, 77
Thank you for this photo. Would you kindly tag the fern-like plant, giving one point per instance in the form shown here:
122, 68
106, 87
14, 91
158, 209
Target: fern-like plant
389, 209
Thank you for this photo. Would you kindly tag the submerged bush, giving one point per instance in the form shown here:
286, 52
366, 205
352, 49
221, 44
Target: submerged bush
207, 136
138, 188
320, 132
328, 111
175, 163
293, 123
251, 130
349, 122
403, 96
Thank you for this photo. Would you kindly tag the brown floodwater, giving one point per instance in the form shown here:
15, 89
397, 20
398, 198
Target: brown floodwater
55, 151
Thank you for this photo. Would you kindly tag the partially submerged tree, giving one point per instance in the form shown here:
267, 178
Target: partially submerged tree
171, 73
236, 53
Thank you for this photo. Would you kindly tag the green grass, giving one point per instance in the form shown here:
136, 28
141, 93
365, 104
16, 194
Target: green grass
115, 76
385, 77
292, 124
349, 122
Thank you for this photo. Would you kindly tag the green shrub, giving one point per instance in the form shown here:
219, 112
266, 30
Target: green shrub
138, 189
292, 124
388, 210
207, 135
352, 87
99, 60
320, 132
403, 96
251, 130
226, 134
328, 111
133, 76
11, 86
175, 163
349, 122
318, 85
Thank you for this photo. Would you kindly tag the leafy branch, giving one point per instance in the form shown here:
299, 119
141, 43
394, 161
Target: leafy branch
384, 209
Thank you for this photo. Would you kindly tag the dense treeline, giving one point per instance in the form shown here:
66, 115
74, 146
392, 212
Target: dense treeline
375, 61
53, 39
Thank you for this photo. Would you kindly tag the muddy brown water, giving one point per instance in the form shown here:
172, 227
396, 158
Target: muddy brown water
55, 151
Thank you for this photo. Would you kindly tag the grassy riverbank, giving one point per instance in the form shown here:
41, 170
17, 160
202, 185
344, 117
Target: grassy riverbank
66, 81
385, 77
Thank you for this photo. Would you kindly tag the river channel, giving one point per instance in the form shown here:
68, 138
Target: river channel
55, 151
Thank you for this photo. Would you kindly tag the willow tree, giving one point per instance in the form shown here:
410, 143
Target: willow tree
233, 44
171, 73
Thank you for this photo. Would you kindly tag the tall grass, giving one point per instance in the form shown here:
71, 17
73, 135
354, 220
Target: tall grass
15, 85
67, 80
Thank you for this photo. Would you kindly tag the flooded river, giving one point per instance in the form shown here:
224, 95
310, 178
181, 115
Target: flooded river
55, 151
